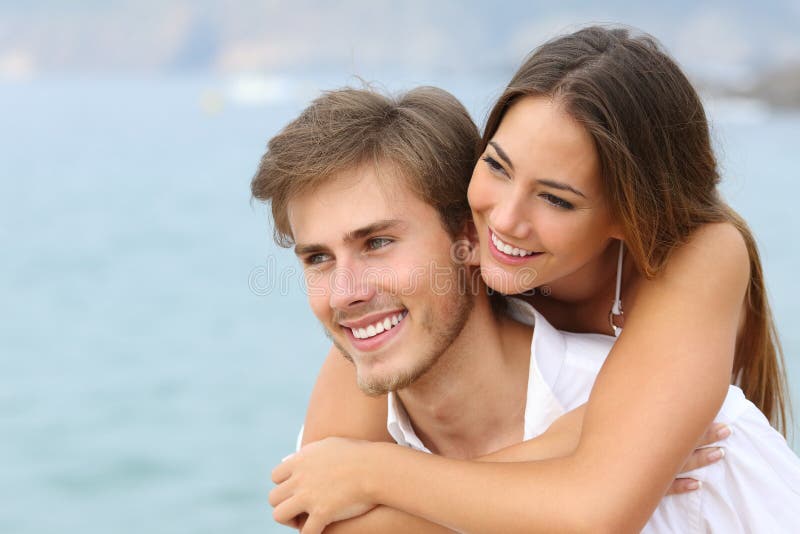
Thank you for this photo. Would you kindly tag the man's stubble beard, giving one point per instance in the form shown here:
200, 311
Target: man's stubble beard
450, 327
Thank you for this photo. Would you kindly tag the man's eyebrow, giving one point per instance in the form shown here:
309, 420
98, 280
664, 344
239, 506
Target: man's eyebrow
502, 154
377, 226
301, 249
561, 185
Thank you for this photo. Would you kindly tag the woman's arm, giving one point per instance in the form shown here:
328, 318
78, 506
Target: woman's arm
331, 474
561, 438
338, 454
662, 384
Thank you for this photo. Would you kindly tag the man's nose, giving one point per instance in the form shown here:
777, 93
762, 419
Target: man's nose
350, 286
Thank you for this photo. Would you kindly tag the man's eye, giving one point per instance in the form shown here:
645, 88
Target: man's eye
316, 259
378, 242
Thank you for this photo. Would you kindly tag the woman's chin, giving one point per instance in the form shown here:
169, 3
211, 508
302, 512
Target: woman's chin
509, 281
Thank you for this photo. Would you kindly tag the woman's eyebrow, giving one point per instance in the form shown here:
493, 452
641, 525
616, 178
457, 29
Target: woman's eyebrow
560, 185
502, 154
549, 183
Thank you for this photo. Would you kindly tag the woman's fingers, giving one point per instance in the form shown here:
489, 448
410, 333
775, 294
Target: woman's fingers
683, 485
299, 521
279, 494
698, 458
314, 525
282, 471
702, 457
286, 511
714, 433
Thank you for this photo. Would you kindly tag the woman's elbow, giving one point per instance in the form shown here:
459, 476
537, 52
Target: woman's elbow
603, 513
600, 522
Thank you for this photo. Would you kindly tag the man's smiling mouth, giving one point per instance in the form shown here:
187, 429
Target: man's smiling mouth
366, 331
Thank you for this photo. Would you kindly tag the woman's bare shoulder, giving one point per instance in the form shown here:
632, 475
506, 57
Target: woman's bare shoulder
712, 251
722, 241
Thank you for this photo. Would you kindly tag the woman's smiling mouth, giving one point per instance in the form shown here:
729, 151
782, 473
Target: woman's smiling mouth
507, 253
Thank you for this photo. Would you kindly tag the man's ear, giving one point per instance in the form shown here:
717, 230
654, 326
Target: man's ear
466, 248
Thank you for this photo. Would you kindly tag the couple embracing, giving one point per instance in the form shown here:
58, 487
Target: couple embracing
562, 410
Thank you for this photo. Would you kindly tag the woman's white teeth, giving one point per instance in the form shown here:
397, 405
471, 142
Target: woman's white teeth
379, 327
508, 249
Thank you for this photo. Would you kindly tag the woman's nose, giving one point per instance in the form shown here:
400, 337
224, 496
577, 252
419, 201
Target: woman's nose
511, 217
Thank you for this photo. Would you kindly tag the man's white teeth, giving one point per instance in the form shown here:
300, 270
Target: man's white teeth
379, 327
508, 249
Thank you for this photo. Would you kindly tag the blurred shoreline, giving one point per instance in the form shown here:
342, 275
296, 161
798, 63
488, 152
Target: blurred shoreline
778, 88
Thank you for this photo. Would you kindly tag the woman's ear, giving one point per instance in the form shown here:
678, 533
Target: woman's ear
466, 247
618, 233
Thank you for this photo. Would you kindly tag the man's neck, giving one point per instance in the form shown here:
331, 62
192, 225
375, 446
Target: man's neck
472, 402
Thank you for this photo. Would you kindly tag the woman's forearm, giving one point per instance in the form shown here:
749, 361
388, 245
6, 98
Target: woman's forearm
386, 521
556, 495
559, 440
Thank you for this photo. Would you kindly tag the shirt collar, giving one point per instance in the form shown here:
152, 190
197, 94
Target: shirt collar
548, 352
399, 425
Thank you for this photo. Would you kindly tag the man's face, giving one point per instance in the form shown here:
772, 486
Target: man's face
379, 275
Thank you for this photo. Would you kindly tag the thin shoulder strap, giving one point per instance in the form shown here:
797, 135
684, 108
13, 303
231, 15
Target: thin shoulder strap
616, 307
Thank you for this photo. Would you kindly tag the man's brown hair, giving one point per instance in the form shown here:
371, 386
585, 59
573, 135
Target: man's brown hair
425, 135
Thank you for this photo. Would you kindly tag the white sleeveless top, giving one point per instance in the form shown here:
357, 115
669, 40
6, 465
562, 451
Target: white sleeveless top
755, 488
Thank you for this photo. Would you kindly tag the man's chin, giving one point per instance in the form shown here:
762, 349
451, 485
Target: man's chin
370, 383
373, 377
381, 385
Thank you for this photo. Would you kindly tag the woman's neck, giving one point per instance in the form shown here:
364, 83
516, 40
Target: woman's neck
580, 302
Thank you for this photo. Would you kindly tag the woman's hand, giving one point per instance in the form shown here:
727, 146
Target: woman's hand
567, 429
327, 480
562, 437
701, 456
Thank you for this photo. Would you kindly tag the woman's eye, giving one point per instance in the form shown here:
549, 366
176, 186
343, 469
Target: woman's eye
557, 201
493, 164
378, 242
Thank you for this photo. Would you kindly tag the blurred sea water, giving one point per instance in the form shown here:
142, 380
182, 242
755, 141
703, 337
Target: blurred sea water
156, 350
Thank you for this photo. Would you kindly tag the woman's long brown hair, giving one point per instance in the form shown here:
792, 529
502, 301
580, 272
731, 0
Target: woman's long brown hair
658, 168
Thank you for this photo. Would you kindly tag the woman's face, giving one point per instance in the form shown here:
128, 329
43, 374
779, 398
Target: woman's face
537, 199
